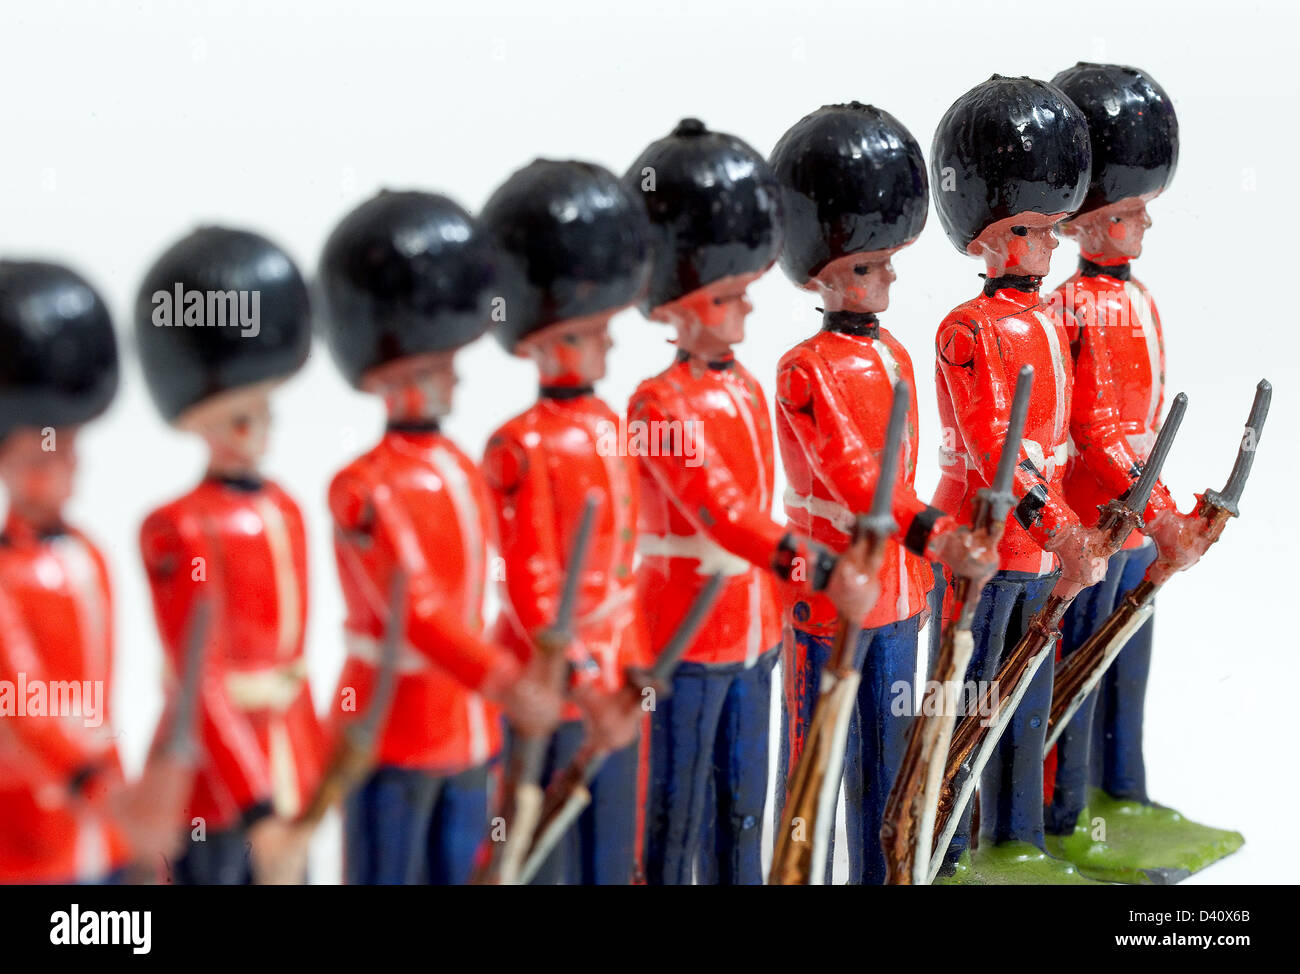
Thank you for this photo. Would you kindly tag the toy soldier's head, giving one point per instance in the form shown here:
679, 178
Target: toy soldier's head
58, 370
715, 227
221, 319
573, 248
853, 193
406, 280
1134, 135
1010, 160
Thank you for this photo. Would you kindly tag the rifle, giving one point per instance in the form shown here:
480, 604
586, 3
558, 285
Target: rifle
522, 788
569, 792
814, 786
354, 753
1078, 675
908, 830
974, 740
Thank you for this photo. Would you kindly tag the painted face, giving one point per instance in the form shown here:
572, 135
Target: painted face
418, 388
37, 468
235, 426
571, 353
1019, 245
1111, 234
710, 320
857, 282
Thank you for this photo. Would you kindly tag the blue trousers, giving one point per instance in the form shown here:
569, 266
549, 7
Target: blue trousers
1118, 766
1011, 788
407, 828
221, 859
877, 735
1112, 745
600, 848
710, 735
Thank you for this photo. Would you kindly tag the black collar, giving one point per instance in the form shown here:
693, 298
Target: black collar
1119, 271
1026, 283
565, 392
864, 324
413, 426
717, 365
245, 485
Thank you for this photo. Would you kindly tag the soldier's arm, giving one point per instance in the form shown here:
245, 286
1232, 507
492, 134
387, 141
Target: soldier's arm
170, 557
707, 494
431, 626
523, 498
836, 450
1095, 418
981, 393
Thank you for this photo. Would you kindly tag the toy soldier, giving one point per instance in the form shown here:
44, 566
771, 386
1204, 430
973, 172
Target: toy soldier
58, 764
407, 282
574, 246
1118, 352
1011, 159
706, 493
854, 193
221, 319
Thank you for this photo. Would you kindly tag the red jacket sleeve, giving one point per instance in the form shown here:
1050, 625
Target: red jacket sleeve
836, 450
707, 494
522, 495
971, 368
61, 746
1095, 420
170, 548
432, 627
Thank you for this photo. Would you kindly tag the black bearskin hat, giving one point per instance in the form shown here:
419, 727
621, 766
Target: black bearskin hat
1007, 146
852, 180
403, 274
571, 242
714, 209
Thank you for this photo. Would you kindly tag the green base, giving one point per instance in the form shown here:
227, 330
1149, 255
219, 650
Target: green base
1013, 864
1145, 844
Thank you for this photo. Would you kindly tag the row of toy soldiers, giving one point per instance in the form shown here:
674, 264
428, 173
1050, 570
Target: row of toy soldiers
409, 278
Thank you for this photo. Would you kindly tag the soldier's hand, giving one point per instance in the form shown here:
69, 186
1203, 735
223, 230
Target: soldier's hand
1181, 540
971, 554
853, 586
1083, 553
151, 811
533, 702
611, 723
279, 851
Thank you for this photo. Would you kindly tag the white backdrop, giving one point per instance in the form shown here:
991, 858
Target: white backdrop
128, 123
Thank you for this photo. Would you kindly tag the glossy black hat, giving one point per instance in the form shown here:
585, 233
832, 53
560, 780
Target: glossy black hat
714, 209
571, 241
405, 273
1007, 146
199, 349
58, 355
1132, 127
852, 181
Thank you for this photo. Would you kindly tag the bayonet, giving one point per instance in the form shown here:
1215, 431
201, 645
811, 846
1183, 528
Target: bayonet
803, 839
1078, 675
907, 834
974, 740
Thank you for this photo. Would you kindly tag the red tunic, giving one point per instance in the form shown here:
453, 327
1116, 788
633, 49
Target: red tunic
540, 467
242, 545
834, 393
704, 445
980, 347
1119, 382
418, 501
56, 638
